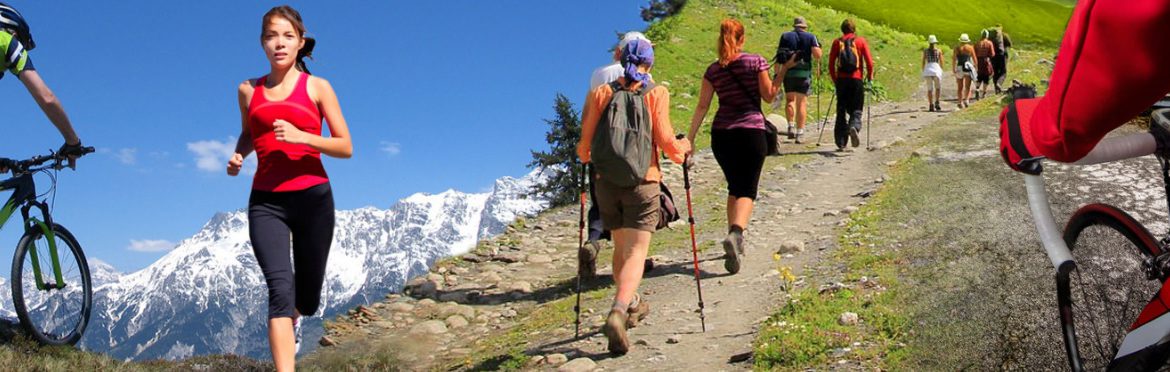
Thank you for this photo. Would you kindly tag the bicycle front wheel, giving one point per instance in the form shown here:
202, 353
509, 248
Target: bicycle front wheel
55, 309
1108, 288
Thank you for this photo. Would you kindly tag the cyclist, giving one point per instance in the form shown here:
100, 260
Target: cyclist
281, 115
1091, 96
15, 42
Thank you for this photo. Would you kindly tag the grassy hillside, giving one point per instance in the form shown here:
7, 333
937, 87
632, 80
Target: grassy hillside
686, 44
1027, 21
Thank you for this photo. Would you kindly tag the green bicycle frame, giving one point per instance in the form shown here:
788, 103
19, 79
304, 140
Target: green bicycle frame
25, 193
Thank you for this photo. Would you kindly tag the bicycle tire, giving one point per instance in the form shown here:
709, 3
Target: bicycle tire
29, 303
1107, 287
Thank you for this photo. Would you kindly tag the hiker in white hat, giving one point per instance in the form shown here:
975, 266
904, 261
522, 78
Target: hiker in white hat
932, 72
964, 69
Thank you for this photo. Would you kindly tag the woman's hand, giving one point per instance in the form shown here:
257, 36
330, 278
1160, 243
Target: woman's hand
234, 164
288, 133
791, 62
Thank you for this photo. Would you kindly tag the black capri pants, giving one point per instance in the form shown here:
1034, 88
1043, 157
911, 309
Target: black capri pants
303, 221
740, 153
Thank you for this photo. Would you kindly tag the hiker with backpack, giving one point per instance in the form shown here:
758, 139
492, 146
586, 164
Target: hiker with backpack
932, 72
587, 255
1002, 43
624, 126
849, 62
964, 69
798, 80
738, 137
984, 52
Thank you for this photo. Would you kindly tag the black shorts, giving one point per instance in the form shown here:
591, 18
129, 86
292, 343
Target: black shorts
798, 85
740, 153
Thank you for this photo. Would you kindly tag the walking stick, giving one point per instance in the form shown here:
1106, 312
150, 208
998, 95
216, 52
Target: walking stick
825, 121
868, 118
580, 246
694, 244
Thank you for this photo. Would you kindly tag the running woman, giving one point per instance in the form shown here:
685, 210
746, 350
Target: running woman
281, 115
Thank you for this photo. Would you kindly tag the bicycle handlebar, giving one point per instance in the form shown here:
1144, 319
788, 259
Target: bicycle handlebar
1108, 150
28, 165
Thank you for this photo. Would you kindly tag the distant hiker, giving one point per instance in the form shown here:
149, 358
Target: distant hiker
628, 201
964, 69
798, 80
849, 62
15, 43
611, 72
984, 52
587, 255
932, 72
737, 133
291, 206
999, 62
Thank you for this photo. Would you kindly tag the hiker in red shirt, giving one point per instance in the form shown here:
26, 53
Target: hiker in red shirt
849, 55
1089, 95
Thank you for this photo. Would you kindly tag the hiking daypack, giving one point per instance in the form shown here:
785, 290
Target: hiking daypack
622, 145
848, 61
791, 42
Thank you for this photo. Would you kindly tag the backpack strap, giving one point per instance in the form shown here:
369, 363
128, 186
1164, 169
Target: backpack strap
735, 78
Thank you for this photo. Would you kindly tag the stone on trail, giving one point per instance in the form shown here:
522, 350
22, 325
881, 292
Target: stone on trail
326, 341
430, 327
456, 322
791, 246
674, 339
849, 210
555, 359
539, 258
848, 319
578, 365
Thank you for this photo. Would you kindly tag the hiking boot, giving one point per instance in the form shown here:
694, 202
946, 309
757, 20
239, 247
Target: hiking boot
853, 137
587, 260
791, 132
297, 334
615, 330
637, 312
930, 107
733, 252
937, 106
799, 135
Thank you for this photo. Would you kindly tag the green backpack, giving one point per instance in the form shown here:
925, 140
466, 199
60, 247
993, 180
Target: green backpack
622, 144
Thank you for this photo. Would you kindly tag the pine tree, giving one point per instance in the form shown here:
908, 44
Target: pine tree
659, 9
564, 131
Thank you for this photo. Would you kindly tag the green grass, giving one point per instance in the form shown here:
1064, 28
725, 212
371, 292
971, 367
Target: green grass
1034, 22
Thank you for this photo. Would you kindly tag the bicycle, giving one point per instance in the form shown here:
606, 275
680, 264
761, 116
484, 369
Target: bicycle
1111, 273
51, 288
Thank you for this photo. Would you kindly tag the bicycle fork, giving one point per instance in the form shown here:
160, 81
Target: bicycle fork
32, 226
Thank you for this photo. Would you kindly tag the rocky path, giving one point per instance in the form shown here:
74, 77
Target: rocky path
517, 288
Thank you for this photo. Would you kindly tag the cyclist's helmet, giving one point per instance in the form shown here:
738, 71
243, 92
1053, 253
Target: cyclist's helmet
10, 19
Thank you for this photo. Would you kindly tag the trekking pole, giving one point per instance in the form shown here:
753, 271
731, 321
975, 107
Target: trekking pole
825, 120
580, 246
868, 118
694, 244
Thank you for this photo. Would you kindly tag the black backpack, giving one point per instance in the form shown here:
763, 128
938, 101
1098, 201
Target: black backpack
790, 43
623, 147
848, 61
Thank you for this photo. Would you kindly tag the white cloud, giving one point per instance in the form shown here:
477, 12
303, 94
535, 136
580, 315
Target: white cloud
149, 245
213, 155
391, 148
128, 156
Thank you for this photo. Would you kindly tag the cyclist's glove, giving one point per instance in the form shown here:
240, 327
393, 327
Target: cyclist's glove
1015, 138
71, 150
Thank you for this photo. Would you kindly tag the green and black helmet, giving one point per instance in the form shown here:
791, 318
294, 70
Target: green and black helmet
10, 19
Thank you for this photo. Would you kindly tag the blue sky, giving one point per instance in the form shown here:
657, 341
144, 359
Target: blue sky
438, 95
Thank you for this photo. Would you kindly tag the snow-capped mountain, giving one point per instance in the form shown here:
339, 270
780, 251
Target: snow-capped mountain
208, 294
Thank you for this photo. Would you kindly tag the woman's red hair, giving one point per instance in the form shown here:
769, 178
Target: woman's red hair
730, 40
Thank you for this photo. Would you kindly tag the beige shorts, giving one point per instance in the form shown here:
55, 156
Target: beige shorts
628, 207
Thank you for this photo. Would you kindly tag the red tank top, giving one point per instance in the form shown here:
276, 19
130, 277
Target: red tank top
285, 166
